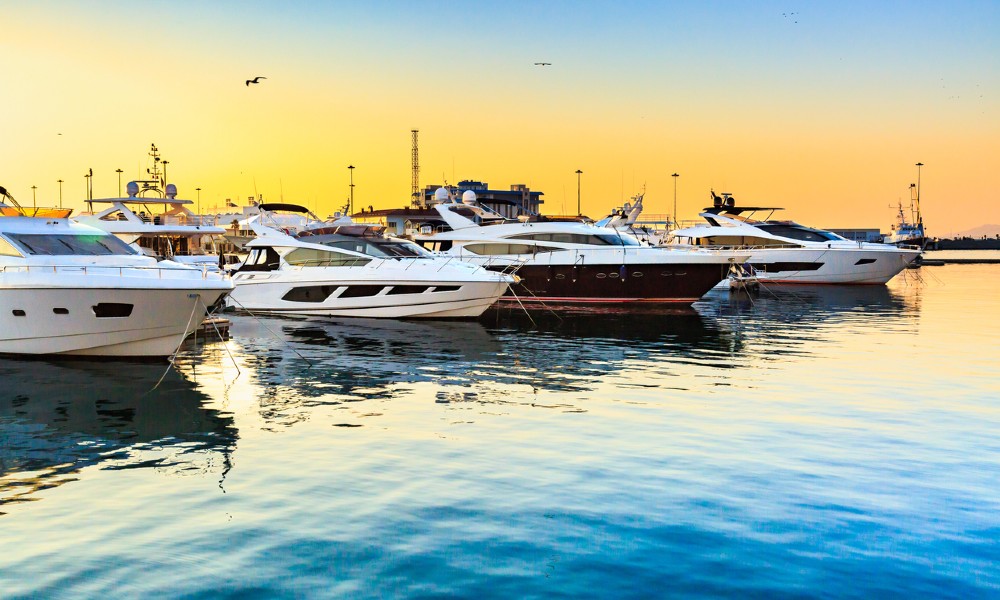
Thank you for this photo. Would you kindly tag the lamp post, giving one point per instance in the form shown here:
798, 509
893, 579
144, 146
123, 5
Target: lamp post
198, 189
87, 178
578, 173
675, 176
60, 182
918, 190
34, 201
119, 171
350, 208
164, 174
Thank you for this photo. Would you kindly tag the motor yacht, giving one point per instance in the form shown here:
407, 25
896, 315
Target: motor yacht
152, 218
786, 252
71, 289
572, 262
350, 270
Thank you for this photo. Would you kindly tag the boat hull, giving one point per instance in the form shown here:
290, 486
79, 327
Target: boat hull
90, 321
859, 266
451, 299
615, 283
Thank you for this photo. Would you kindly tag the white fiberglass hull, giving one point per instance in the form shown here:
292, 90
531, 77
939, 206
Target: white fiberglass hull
69, 321
385, 298
871, 266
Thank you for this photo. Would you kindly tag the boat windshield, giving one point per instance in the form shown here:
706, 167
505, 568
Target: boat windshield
49, 244
798, 232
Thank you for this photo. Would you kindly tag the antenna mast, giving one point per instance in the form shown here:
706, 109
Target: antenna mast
415, 199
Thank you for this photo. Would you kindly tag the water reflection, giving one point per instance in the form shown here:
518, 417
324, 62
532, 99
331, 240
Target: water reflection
56, 418
297, 364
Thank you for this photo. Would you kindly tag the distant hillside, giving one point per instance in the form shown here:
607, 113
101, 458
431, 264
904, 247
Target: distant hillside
978, 232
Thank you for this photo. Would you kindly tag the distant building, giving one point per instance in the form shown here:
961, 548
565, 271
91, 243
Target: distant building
512, 203
518, 200
859, 235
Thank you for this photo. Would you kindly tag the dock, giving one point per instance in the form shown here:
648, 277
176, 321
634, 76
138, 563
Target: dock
211, 328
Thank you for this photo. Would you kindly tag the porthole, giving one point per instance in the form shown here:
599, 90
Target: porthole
636, 273
666, 273
18, 312
560, 276
613, 275
61, 311
602, 275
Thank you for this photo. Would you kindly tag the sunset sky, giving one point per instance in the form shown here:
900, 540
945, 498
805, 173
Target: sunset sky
820, 107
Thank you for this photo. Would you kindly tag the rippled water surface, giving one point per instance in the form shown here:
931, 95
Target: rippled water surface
807, 442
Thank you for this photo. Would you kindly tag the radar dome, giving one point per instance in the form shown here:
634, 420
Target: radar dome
469, 197
171, 191
441, 195
132, 188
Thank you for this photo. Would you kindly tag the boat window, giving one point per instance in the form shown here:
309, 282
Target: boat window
310, 257
312, 293
600, 239
8, 249
381, 248
738, 241
500, 249
798, 232
261, 259
71, 244
105, 310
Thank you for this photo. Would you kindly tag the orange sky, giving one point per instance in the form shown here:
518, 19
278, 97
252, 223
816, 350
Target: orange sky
823, 109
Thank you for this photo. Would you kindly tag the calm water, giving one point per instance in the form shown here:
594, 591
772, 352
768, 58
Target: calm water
806, 442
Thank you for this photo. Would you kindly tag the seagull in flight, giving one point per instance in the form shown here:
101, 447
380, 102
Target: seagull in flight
543, 64
255, 80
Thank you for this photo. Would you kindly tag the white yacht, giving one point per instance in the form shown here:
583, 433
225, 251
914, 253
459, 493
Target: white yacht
347, 270
71, 289
572, 262
786, 252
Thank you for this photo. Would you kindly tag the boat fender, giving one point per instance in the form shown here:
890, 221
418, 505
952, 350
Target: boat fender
621, 273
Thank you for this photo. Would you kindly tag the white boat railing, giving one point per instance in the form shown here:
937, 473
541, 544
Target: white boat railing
108, 270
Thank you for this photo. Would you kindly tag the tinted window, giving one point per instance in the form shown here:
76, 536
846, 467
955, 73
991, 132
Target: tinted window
797, 232
308, 257
70, 244
600, 239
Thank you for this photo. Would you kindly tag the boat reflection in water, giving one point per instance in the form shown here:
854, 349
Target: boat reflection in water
295, 364
57, 419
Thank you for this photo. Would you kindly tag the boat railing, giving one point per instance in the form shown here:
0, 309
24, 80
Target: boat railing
109, 270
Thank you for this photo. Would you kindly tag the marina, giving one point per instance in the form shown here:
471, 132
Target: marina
686, 449
499, 300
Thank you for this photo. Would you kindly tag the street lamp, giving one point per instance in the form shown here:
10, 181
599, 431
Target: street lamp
675, 176
60, 182
119, 171
87, 177
34, 201
198, 189
350, 208
164, 174
918, 189
578, 173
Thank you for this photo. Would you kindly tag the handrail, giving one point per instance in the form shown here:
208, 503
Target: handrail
104, 270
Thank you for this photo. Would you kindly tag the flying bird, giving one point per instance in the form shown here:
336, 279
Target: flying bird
542, 64
255, 80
